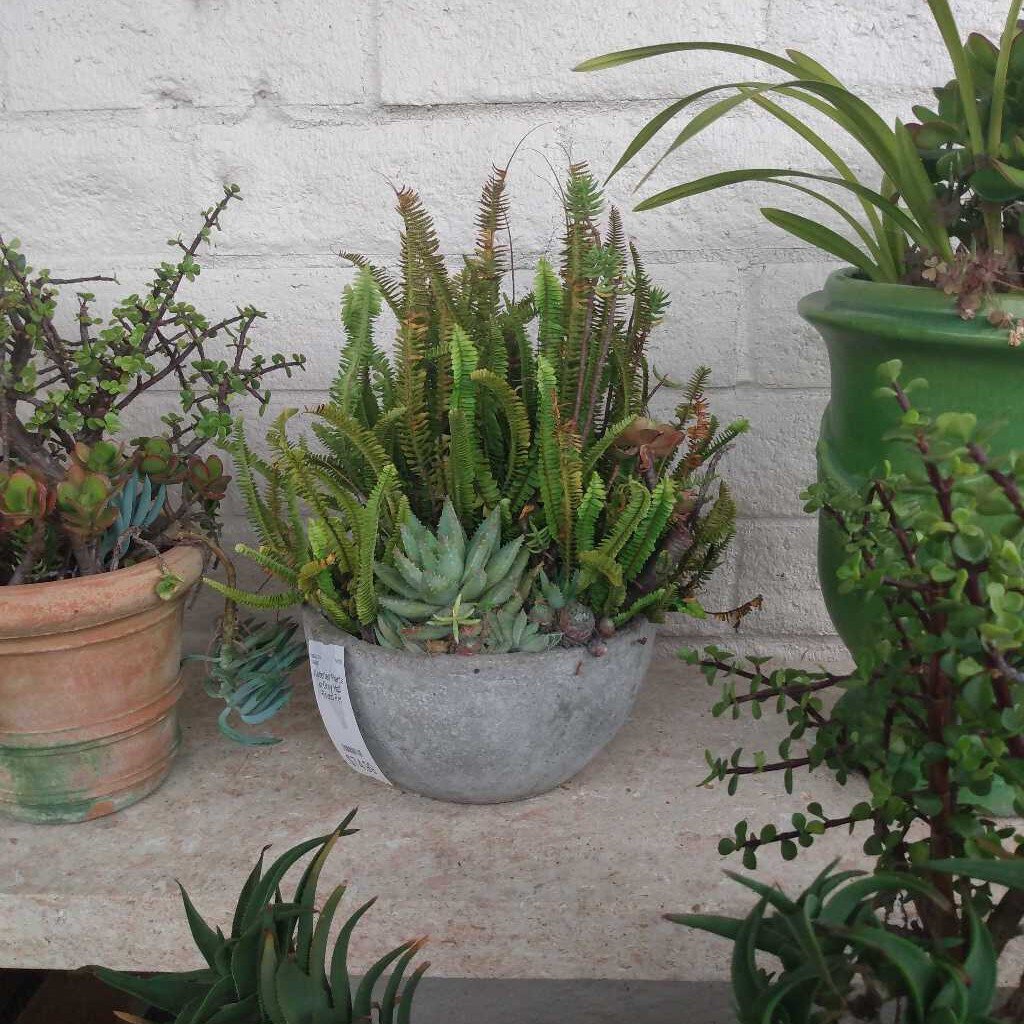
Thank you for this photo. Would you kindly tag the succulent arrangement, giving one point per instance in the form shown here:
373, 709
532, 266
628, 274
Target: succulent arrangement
277, 964
75, 500
944, 211
520, 423
930, 715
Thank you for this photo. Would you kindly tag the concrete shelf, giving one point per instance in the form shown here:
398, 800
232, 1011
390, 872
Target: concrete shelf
571, 884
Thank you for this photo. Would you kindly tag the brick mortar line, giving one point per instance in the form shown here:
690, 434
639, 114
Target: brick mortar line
745, 260
363, 113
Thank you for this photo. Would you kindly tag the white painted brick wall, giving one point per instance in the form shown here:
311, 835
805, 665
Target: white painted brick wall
120, 118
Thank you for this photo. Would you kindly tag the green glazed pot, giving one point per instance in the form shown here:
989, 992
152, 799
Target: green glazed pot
969, 366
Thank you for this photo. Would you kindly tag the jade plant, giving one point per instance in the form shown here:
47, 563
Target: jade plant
75, 498
277, 964
505, 441
943, 208
930, 716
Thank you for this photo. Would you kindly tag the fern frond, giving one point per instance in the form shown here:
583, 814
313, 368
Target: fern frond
654, 599
269, 562
352, 436
369, 530
492, 222
266, 525
264, 602
644, 541
591, 507
626, 525
389, 287
559, 465
351, 390
517, 419
547, 297
600, 447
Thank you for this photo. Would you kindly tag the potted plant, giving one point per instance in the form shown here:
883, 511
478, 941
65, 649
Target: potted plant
491, 520
930, 716
97, 540
934, 242
273, 967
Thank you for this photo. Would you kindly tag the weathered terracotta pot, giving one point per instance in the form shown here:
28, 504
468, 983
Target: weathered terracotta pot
90, 676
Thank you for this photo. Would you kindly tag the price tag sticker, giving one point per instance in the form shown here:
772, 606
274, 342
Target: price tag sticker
327, 667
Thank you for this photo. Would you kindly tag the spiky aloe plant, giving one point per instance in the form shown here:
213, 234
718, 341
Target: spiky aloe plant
441, 592
273, 967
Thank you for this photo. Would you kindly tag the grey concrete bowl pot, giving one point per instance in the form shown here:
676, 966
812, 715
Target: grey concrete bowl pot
487, 729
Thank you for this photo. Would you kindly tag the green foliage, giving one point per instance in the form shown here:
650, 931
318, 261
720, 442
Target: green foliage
440, 593
252, 675
944, 209
528, 415
276, 965
840, 961
62, 397
930, 715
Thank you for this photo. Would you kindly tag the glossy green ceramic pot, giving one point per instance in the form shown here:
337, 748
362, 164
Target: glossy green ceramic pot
969, 366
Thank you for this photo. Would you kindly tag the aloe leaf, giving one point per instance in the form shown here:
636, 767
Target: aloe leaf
840, 908
805, 975
299, 1000
389, 999
321, 933
1002, 872
241, 1012
268, 1000
768, 893
729, 928
339, 976
980, 966
305, 896
913, 963
168, 992
206, 939
405, 1006
747, 984
263, 891
362, 1003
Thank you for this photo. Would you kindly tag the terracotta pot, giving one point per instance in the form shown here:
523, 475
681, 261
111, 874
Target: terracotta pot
90, 676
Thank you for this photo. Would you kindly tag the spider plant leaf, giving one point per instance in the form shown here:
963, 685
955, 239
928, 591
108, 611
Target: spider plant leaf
823, 238
724, 178
620, 57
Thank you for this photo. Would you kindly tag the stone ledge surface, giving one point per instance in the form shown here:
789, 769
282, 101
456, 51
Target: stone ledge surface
571, 884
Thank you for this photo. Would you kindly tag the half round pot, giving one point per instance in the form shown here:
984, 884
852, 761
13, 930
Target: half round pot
969, 366
90, 676
486, 729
